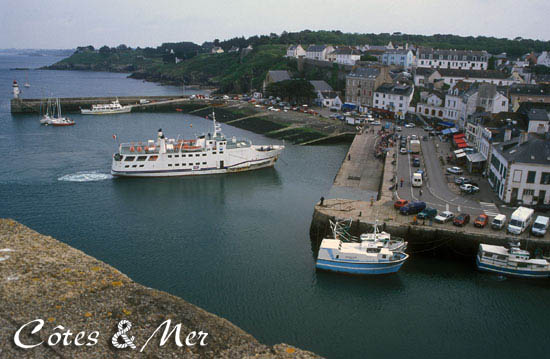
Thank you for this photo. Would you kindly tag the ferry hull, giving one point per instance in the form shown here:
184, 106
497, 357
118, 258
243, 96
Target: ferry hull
108, 112
510, 271
360, 268
264, 163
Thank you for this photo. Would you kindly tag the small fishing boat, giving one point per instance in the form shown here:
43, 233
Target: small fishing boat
364, 257
384, 240
511, 262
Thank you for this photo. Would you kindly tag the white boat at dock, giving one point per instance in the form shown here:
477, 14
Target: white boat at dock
53, 117
206, 154
368, 256
106, 109
511, 262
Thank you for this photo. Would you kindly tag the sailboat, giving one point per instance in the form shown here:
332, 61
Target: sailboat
53, 115
27, 84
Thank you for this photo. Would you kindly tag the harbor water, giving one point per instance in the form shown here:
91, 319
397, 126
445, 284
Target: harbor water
238, 245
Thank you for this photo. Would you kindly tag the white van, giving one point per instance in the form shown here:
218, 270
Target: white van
540, 226
520, 220
498, 222
417, 180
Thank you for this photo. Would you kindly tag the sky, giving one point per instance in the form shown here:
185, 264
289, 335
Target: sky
59, 24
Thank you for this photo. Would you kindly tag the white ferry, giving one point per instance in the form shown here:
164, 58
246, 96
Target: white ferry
106, 109
207, 154
513, 262
364, 257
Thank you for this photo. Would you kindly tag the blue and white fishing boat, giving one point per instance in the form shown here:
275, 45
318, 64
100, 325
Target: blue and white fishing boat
364, 257
511, 262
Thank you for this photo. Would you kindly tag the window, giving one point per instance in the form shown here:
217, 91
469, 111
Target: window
204, 163
545, 178
531, 176
528, 192
153, 158
142, 158
517, 176
204, 154
169, 156
129, 158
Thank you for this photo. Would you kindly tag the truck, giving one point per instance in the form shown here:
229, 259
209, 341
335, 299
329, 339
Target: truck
540, 226
520, 220
414, 146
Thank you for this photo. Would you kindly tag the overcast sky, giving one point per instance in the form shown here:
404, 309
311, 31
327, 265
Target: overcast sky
71, 23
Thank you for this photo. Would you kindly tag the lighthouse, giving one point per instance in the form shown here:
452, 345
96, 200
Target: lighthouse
16, 90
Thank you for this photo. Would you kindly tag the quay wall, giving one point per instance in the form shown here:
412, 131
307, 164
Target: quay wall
42, 278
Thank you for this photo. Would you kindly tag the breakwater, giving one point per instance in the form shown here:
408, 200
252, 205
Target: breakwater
42, 278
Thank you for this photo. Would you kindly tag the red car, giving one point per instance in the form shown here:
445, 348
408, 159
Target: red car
461, 220
400, 203
481, 221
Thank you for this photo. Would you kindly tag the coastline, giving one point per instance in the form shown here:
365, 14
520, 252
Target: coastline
47, 279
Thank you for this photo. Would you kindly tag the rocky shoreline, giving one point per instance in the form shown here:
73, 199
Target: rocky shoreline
42, 278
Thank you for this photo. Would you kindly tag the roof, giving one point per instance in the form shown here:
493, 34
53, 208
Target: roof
347, 51
320, 85
365, 72
292, 47
494, 249
528, 89
329, 94
424, 71
535, 150
398, 89
475, 157
397, 51
481, 74
316, 48
537, 114
279, 75
424, 53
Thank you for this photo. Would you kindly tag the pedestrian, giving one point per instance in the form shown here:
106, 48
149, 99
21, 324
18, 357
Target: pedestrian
322, 201
423, 220
401, 181
420, 193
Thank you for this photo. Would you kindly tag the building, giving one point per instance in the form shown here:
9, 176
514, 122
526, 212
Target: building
424, 76
452, 76
519, 170
320, 86
452, 59
346, 56
216, 50
544, 59
295, 51
362, 82
394, 97
329, 99
431, 104
233, 49
318, 52
528, 93
399, 57
275, 76
538, 121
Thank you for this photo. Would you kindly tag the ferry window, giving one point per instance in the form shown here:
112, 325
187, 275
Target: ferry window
183, 155
126, 166
142, 158
214, 153
140, 165
197, 155
197, 163
204, 154
501, 257
384, 256
169, 165
177, 164
177, 156
221, 153
134, 166
129, 158
153, 158
169, 156
204, 163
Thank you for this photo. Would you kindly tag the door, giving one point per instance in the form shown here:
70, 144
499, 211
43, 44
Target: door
542, 195
514, 195
221, 164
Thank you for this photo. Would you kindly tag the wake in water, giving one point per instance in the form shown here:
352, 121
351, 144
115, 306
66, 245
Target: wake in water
85, 177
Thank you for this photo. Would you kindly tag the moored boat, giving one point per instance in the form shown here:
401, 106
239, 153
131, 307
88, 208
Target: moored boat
364, 257
106, 109
511, 262
53, 117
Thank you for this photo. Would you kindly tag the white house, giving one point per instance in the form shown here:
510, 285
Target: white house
452, 59
295, 51
519, 170
452, 76
394, 97
216, 50
346, 56
538, 121
544, 58
318, 52
329, 99
431, 104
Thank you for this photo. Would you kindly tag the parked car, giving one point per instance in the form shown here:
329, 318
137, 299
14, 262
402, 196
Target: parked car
540, 226
469, 188
398, 128
400, 203
403, 151
481, 221
416, 161
461, 220
428, 128
498, 222
413, 208
444, 217
462, 180
454, 170
428, 212
409, 125
414, 137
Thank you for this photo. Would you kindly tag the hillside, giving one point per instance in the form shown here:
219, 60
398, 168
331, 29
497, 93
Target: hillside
237, 72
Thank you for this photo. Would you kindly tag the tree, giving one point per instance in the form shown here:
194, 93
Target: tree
105, 50
491, 63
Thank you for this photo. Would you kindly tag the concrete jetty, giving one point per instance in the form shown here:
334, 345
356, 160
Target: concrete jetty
422, 237
42, 278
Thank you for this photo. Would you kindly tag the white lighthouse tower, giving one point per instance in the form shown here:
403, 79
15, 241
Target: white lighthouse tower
16, 90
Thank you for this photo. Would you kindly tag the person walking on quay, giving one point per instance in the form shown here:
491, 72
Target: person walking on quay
401, 181
420, 193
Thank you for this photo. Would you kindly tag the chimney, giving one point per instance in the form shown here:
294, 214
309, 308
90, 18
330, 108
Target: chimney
507, 134
523, 137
